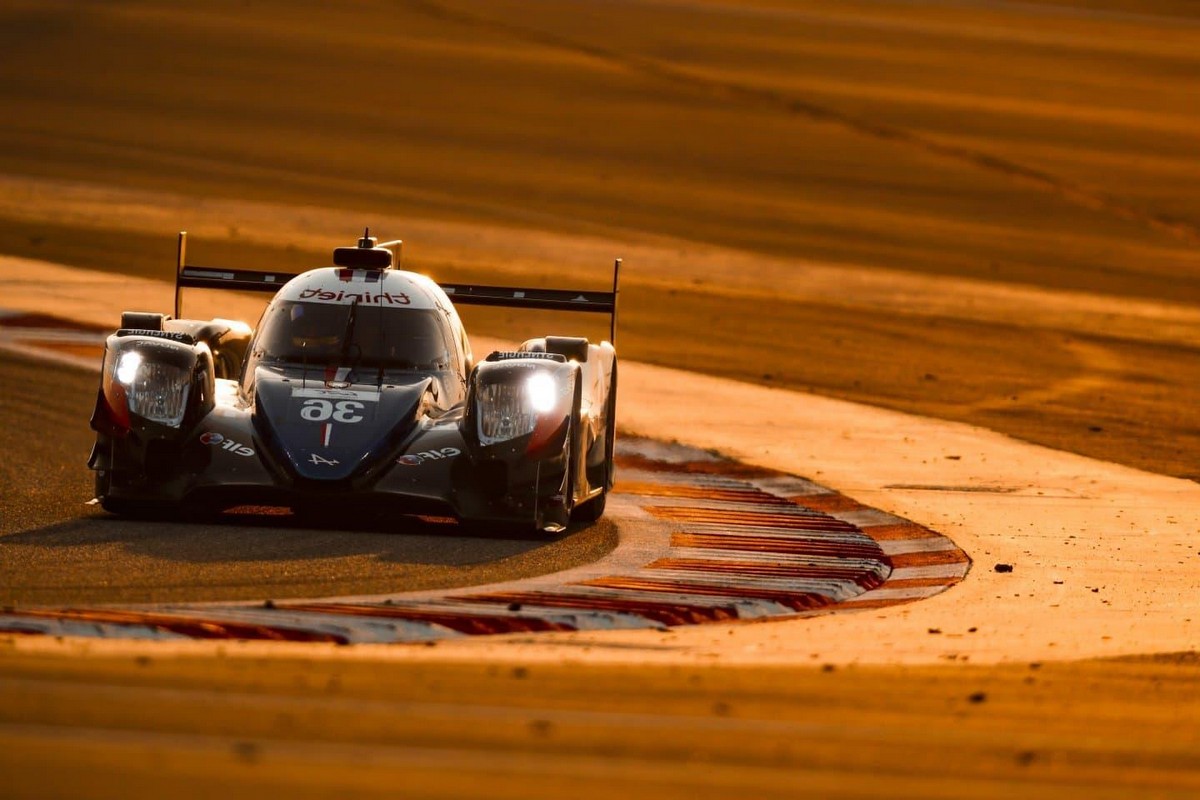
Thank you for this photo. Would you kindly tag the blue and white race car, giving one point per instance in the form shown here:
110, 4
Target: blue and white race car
358, 390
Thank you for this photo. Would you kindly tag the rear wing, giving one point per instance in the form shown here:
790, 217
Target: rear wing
467, 294
463, 294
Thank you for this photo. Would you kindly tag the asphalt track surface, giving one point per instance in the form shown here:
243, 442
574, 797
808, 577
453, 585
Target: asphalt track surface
700, 539
58, 549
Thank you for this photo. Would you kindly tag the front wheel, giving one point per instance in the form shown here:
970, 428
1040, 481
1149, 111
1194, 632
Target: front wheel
590, 511
114, 505
127, 506
138, 509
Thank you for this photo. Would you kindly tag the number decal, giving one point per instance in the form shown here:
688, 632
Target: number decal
345, 411
317, 410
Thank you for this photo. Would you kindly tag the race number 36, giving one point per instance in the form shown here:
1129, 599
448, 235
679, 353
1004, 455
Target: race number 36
316, 410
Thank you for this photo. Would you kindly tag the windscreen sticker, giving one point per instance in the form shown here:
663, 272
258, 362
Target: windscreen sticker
394, 289
366, 298
336, 394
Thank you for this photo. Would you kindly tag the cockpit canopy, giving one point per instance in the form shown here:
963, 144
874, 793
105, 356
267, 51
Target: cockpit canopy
376, 320
353, 334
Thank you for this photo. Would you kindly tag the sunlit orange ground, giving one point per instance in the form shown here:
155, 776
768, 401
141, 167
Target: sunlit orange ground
791, 176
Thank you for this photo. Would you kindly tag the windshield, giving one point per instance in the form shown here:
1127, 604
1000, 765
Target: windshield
324, 333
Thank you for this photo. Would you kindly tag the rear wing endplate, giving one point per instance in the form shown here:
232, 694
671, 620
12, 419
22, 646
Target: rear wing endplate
245, 280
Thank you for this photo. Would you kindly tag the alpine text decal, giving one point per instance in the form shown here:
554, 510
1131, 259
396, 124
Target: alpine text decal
217, 440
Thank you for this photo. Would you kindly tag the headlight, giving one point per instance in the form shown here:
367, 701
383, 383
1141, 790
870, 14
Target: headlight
154, 391
510, 410
542, 392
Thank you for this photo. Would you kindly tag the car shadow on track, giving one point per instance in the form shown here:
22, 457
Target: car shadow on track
101, 558
255, 535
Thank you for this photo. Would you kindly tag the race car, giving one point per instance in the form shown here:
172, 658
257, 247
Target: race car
357, 392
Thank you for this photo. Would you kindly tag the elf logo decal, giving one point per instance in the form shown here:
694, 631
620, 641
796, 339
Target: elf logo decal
213, 438
416, 459
318, 410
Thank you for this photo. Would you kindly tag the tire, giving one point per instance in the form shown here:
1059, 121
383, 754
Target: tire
113, 505
129, 507
593, 509
610, 446
590, 511
137, 509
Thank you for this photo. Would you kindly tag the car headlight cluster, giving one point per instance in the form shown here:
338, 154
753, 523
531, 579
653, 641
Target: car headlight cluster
153, 391
508, 410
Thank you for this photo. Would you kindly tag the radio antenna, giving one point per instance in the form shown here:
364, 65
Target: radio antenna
382, 345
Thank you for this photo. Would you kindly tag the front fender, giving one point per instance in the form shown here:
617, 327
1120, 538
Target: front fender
519, 429
154, 387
